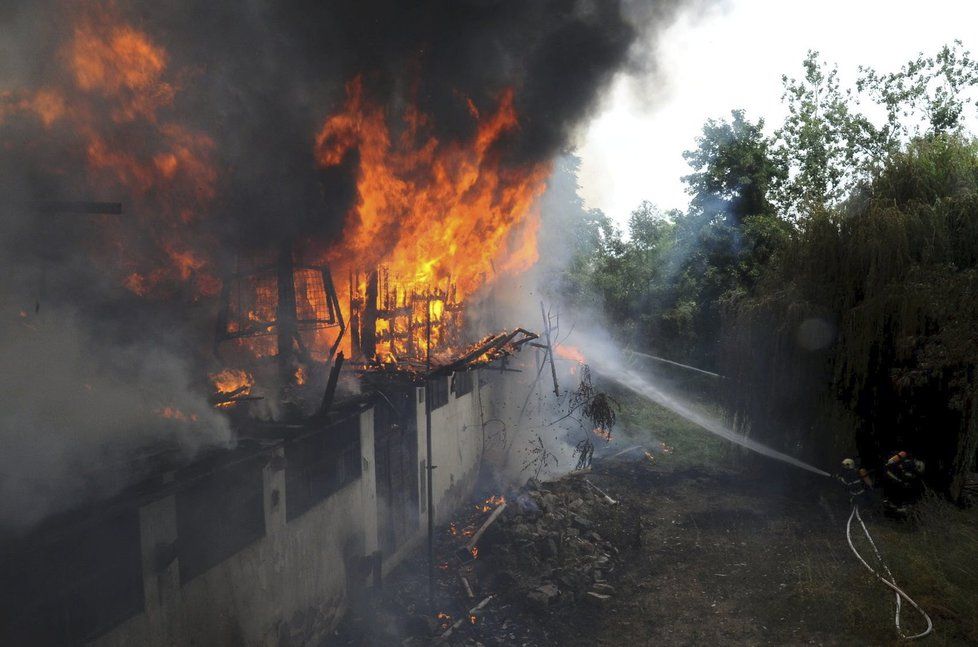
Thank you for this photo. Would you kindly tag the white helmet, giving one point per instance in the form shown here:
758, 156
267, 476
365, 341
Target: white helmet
849, 464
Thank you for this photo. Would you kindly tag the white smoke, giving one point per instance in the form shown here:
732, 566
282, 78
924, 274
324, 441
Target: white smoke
76, 414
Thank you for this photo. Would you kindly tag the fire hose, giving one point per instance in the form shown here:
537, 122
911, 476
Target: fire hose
891, 582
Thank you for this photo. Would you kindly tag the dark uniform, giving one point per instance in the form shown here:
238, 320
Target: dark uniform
858, 482
902, 484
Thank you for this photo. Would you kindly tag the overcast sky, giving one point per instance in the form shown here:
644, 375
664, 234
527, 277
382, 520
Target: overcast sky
733, 55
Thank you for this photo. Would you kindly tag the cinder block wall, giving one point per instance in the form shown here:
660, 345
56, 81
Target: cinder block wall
456, 439
289, 587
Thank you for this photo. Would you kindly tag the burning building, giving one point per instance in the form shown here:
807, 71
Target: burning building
243, 244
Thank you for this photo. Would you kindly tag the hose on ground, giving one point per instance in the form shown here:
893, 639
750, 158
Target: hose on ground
891, 582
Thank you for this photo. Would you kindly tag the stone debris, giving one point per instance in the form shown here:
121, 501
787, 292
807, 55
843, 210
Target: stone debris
555, 543
547, 550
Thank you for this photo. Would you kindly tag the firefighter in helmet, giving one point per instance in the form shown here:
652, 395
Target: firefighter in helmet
902, 483
858, 482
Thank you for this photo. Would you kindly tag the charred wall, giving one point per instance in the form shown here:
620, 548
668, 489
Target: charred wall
261, 544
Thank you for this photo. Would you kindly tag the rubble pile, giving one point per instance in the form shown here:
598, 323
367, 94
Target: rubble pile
509, 570
558, 543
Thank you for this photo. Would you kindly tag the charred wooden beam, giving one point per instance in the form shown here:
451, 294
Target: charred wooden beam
330, 393
286, 326
368, 320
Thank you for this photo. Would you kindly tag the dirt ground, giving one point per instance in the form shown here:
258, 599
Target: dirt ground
702, 554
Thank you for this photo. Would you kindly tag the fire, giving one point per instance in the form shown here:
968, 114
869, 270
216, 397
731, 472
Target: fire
475, 552
441, 218
121, 63
569, 352
172, 413
435, 220
490, 503
602, 433
231, 383
114, 109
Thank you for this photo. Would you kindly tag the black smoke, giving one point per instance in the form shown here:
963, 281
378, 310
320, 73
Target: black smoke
258, 77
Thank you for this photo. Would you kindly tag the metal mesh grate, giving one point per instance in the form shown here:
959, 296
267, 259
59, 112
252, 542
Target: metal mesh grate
310, 296
252, 302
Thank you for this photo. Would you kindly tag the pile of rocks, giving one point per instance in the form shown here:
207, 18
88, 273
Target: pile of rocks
556, 543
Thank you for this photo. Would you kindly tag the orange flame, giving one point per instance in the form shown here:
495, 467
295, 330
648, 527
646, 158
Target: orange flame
570, 352
431, 213
231, 383
115, 102
490, 503
445, 218
172, 413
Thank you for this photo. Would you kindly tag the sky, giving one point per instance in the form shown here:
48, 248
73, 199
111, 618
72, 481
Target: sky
732, 55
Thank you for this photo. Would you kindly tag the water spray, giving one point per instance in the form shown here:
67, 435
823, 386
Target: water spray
643, 387
663, 360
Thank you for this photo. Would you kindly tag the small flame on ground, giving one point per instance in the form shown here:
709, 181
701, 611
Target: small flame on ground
650, 457
490, 503
475, 552
473, 618
172, 413
602, 433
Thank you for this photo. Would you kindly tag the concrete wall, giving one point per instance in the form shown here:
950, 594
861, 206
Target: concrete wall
456, 440
288, 588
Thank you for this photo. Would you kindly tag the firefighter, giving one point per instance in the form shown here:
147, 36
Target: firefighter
902, 483
858, 482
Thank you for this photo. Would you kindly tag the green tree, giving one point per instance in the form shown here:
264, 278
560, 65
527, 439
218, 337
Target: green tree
825, 143
927, 96
829, 145
730, 229
733, 170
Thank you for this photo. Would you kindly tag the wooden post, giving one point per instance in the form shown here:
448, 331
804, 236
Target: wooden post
286, 326
550, 348
368, 320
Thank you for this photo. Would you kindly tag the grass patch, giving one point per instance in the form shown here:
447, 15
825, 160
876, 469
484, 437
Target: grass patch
932, 559
647, 423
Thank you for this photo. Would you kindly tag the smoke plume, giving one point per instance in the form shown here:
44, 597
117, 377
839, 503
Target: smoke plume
200, 118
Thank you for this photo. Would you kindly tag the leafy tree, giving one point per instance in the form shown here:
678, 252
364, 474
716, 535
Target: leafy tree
927, 96
729, 230
830, 146
862, 332
825, 143
733, 169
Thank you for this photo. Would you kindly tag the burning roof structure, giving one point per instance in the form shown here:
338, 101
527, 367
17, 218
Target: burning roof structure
222, 219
